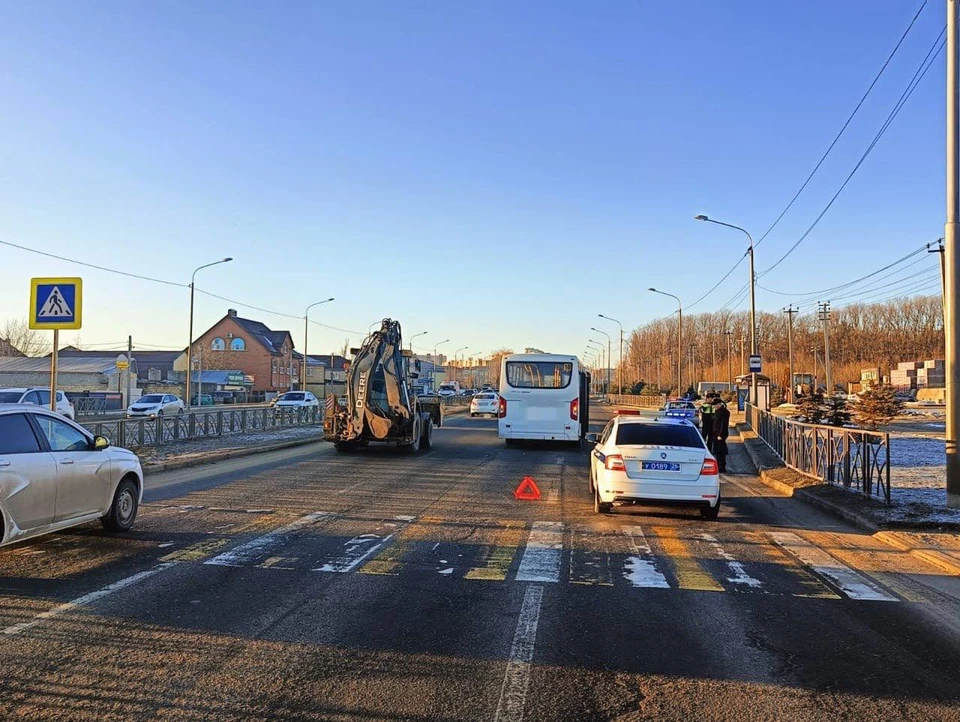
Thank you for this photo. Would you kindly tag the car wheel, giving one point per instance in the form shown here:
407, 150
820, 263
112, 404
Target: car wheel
593, 485
600, 507
179, 412
123, 510
426, 441
511, 442
160, 414
344, 447
710, 513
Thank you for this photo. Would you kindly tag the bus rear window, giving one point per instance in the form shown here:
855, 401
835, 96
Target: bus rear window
539, 374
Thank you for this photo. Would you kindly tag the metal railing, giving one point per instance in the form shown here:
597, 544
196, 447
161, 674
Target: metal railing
648, 401
848, 457
141, 433
89, 406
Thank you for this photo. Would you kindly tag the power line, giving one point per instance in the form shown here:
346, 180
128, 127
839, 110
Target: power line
845, 125
725, 277
904, 97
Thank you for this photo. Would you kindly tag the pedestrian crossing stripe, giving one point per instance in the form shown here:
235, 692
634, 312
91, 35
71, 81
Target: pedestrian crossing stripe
666, 558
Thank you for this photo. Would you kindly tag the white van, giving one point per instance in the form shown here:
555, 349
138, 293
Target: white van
543, 397
449, 388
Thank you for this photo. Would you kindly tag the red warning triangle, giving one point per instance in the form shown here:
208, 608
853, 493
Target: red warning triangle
528, 490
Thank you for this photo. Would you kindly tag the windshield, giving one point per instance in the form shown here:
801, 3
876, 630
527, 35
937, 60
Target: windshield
447, 387
10, 397
658, 435
292, 397
672, 405
151, 399
485, 396
539, 374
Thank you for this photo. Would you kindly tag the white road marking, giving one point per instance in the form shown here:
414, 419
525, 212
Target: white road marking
640, 569
360, 548
86, 599
262, 545
516, 678
553, 496
851, 583
740, 575
541, 558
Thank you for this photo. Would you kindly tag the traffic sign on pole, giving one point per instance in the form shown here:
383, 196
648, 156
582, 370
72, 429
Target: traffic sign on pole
123, 363
56, 304
755, 365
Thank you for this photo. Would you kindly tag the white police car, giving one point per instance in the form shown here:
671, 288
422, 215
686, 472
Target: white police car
661, 461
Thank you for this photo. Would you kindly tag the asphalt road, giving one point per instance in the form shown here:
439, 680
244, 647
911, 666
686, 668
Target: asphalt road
309, 585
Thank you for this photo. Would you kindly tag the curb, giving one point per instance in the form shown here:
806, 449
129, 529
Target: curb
930, 556
212, 458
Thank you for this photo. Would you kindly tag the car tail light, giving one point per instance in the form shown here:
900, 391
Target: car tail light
614, 462
628, 412
710, 468
575, 409
503, 408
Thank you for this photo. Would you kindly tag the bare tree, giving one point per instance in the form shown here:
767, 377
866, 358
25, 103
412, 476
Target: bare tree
20, 336
493, 366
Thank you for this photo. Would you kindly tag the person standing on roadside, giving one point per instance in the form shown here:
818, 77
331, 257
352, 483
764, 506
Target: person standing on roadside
706, 421
721, 430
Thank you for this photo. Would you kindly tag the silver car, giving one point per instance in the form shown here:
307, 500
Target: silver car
55, 474
154, 405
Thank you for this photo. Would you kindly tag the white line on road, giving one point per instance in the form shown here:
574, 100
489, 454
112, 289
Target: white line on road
541, 558
86, 599
740, 575
640, 569
516, 678
851, 583
262, 545
360, 548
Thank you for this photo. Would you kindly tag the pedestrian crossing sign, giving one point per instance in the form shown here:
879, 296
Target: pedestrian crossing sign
56, 303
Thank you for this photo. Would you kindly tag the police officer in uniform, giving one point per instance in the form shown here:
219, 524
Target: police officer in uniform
721, 430
706, 420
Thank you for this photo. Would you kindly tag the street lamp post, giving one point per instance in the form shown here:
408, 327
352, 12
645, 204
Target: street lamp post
306, 335
189, 380
459, 365
729, 335
422, 333
620, 367
679, 339
609, 354
753, 303
604, 360
590, 357
433, 373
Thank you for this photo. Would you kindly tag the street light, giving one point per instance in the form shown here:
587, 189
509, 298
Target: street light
464, 348
609, 354
753, 304
306, 334
189, 383
433, 373
604, 360
422, 333
620, 367
679, 339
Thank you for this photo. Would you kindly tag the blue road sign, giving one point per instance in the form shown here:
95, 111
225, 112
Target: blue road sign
56, 303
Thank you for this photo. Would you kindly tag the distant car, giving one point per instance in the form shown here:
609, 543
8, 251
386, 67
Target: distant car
55, 474
682, 410
448, 389
485, 403
39, 397
297, 400
156, 406
468, 392
653, 461
202, 400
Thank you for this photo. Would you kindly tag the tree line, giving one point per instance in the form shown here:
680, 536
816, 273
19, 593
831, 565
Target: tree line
861, 336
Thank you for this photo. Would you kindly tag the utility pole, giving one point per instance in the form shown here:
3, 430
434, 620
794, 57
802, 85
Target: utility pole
693, 365
951, 258
825, 318
659, 381
743, 364
815, 360
790, 311
729, 335
713, 369
126, 401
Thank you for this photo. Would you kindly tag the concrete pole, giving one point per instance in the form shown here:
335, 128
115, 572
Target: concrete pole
129, 369
753, 323
743, 366
825, 317
729, 335
790, 311
952, 275
189, 378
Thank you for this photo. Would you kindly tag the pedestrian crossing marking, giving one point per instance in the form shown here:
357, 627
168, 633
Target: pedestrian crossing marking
640, 568
196, 552
811, 587
261, 545
541, 558
494, 561
740, 576
55, 306
590, 558
689, 573
389, 561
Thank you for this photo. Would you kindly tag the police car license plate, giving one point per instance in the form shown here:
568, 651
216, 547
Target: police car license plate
659, 466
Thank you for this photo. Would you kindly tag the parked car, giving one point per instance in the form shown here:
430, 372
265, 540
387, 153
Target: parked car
39, 397
682, 410
653, 461
449, 388
55, 474
202, 400
156, 405
297, 400
485, 403
468, 392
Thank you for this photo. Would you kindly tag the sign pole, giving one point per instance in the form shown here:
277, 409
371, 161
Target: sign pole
53, 369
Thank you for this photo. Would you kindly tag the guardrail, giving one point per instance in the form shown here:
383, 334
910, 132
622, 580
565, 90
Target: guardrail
835, 455
89, 406
645, 401
188, 426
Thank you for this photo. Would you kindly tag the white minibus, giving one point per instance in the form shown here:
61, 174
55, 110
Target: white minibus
543, 397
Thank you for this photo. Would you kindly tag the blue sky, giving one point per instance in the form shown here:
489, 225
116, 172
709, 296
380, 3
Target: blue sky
522, 166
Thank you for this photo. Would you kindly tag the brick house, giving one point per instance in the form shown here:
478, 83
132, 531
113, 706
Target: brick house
249, 346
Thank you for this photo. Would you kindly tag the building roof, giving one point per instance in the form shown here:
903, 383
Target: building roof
100, 365
322, 359
143, 359
271, 340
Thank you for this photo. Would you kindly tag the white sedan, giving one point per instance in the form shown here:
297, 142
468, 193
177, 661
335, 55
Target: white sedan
55, 474
156, 405
485, 403
653, 461
297, 400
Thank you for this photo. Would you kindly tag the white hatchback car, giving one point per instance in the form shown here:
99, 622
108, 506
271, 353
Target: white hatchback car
154, 405
487, 402
654, 461
297, 400
39, 397
55, 474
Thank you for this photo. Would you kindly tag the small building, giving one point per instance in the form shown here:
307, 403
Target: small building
326, 374
74, 375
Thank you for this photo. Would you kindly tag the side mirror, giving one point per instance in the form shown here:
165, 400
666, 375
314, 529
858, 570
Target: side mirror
592, 438
100, 443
